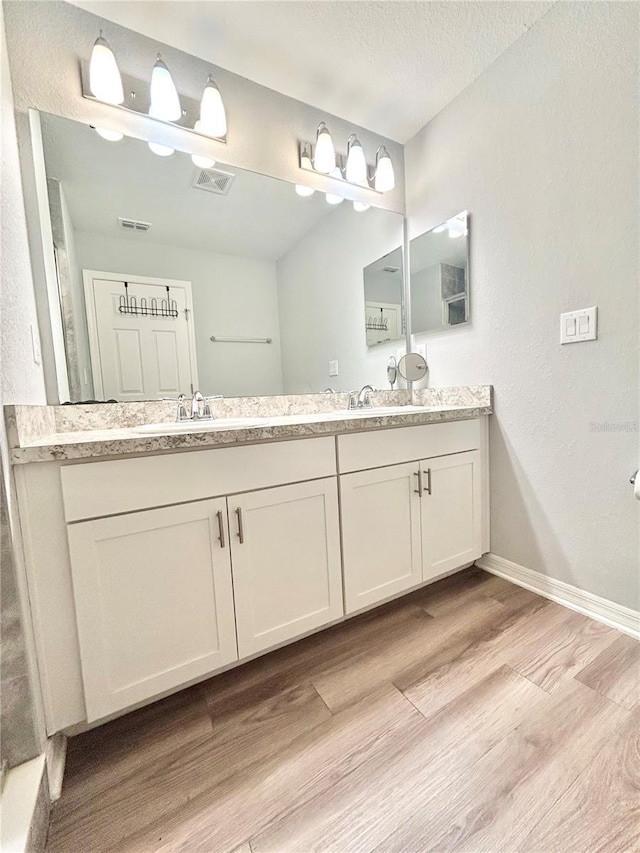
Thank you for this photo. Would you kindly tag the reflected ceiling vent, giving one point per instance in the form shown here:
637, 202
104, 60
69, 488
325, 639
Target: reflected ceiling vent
133, 224
391, 269
213, 181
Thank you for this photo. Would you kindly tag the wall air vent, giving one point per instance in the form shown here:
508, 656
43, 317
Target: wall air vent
391, 269
133, 224
213, 181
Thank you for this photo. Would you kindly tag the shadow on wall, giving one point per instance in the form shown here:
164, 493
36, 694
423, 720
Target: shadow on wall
19, 738
522, 534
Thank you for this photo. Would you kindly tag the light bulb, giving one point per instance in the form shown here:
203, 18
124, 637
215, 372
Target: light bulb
324, 159
213, 118
104, 77
385, 179
198, 159
303, 191
360, 206
356, 170
109, 135
333, 198
453, 233
161, 150
439, 229
165, 103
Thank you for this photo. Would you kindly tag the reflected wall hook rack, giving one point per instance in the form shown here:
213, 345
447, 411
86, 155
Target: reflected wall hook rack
129, 305
221, 339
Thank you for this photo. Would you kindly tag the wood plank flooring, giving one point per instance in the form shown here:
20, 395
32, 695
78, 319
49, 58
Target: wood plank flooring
470, 716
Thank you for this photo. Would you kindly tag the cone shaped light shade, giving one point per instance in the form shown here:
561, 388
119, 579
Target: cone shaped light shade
109, 135
165, 103
385, 179
161, 150
213, 118
324, 159
104, 77
199, 159
356, 170
360, 206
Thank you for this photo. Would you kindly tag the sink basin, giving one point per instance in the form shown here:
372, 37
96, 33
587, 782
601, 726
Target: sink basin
200, 426
377, 411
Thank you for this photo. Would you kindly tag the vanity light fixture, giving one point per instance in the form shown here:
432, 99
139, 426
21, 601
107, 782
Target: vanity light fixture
360, 206
384, 179
198, 159
165, 103
356, 168
104, 76
324, 160
440, 228
305, 162
213, 118
109, 135
334, 198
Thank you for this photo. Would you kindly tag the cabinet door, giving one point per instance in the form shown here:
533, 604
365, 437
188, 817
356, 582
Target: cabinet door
451, 512
154, 601
380, 533
286, 562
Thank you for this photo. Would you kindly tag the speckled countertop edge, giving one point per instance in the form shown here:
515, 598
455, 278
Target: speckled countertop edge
120, 442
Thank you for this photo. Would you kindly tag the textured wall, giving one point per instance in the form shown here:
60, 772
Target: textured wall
543, 151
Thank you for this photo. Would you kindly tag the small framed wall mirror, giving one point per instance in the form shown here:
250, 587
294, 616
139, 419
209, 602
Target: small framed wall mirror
173, 275
384, 299
440, 277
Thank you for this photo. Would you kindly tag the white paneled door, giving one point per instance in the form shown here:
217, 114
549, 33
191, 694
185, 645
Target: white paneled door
285, 552
154, 601
139, 356
451, 512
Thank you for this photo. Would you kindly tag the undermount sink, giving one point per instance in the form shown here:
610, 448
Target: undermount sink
377, 411
201, 426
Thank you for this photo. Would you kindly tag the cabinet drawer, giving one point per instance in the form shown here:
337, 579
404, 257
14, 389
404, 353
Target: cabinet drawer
365, 450
95, 489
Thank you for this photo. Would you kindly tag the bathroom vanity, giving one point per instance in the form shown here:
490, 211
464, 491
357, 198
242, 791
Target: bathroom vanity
158, 560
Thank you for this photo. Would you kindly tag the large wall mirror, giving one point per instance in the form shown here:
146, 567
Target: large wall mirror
172, 277
384, 299
440, 277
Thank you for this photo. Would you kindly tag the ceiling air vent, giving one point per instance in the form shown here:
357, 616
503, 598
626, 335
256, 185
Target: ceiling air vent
213, 181
133, 224
390, 269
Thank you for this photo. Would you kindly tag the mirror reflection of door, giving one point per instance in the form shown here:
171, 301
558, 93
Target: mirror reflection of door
139, 356
383, 322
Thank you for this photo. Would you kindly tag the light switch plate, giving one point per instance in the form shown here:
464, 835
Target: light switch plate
576, 326
333, 368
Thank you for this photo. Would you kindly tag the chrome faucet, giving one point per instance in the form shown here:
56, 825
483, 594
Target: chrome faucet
361, 399
200, 408
182, 414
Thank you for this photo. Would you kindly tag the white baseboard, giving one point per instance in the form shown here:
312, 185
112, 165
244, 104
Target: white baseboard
615, 615
18, 804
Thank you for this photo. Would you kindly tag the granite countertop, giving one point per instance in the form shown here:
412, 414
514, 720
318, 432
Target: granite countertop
35, 434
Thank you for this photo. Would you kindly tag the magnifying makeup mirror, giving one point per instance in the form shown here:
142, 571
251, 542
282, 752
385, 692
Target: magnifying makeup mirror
412, 367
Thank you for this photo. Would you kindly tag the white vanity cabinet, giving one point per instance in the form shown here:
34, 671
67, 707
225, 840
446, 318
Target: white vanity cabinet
287, 575
154, 601
408, 523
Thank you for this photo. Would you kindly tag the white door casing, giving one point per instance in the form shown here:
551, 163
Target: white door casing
136, 357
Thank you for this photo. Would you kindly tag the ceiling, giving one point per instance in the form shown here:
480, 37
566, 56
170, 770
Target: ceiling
386, 66
260, 217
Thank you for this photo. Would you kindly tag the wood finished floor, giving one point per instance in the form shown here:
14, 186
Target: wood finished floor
470, 716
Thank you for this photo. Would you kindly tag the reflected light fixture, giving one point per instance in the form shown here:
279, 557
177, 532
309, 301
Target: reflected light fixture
385, 179
109, 135
198, 159
165, 103
213, 118
161, 150
356, 168
104, 77
305, 163
324, 159
360, 206
334, 198
440, 228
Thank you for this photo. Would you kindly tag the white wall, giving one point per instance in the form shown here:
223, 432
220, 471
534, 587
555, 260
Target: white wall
321, 297
543, 150
426, 299
231, 296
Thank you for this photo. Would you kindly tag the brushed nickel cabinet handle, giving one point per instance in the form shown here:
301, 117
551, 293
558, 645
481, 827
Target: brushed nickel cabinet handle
418, 491
221, 538
428, 473
240, 526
